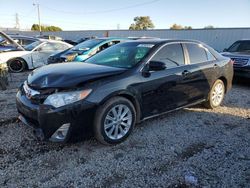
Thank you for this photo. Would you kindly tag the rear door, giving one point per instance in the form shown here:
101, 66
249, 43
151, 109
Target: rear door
202, 66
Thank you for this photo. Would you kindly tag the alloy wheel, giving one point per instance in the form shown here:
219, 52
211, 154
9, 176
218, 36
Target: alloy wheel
118, 122
218, 94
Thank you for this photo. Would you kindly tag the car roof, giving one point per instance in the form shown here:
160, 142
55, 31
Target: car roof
22, 36
111, 38
163, 41
248, 40
53, 41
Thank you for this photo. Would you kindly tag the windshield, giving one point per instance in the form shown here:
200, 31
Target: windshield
88, 44
33, 45
240, 46
124, 55
6, 43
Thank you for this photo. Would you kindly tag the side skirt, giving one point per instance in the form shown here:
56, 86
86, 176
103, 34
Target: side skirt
156, 115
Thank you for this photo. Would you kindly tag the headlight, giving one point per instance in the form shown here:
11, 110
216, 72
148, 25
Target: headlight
64, 98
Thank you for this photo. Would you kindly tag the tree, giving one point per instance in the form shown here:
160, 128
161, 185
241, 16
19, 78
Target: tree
188, 27
178, 27
209, 27
35, 27
175, 26
142, 23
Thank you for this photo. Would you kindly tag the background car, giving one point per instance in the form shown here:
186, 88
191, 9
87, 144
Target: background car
23, 40
84, 50
120, 86
3, 76
31, 56
72, 42
6, 44
239, 52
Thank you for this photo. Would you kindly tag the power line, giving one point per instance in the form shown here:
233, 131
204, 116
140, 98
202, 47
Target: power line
103, 11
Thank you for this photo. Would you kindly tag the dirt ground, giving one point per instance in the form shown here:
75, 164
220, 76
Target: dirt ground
193, 147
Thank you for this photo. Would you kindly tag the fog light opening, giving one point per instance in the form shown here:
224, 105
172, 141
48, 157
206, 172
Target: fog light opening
61, 133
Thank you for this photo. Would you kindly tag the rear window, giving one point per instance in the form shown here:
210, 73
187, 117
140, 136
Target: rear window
197, 54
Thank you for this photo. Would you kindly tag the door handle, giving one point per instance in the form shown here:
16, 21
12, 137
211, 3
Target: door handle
185, 72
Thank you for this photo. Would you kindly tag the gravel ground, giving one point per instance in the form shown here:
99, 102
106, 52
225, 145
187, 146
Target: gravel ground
193, 147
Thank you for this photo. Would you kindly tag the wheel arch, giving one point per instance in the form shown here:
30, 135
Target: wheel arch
20, 58
129, 97
224, 80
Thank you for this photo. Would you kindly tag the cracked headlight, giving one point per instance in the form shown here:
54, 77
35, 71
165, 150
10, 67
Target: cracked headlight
64, 98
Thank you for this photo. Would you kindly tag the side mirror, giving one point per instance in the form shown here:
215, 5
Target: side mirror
156, 66
225, 50
39, 49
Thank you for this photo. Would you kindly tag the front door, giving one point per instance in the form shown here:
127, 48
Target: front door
165, 90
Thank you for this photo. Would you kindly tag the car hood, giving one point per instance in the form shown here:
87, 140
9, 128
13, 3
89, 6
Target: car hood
68, 75
236, 54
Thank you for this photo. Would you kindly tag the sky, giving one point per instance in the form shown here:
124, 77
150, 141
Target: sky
113, 14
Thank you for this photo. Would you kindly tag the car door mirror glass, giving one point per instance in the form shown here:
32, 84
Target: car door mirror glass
156, 66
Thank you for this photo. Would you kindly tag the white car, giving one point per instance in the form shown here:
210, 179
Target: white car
31, 56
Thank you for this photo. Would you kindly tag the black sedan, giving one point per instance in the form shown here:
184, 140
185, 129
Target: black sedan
121, 86
239, 52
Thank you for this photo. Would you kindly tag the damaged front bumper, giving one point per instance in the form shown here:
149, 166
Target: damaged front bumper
56, 124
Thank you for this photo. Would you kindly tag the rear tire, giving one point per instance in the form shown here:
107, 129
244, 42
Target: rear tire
114, 121
17, 65
216, 95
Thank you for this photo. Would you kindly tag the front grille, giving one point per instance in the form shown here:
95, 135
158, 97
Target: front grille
38, 98
239, 62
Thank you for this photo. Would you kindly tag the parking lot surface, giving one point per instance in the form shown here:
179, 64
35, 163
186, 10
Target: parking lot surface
193, 147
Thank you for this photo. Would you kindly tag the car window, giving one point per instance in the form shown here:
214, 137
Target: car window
103, 46
106, 45
47, 47
59, 46
32, 45
88, 44
171, 54
240, 46
26, 41
197, 54
210, 56
52, 47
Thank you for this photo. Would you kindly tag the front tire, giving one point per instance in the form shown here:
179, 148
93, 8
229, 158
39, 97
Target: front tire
17, 65
216, 95
114, 121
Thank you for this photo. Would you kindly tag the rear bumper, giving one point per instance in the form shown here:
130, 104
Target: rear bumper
46, 120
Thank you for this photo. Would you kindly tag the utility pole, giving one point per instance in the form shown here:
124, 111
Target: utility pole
17, 22
39, 21
118, 27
